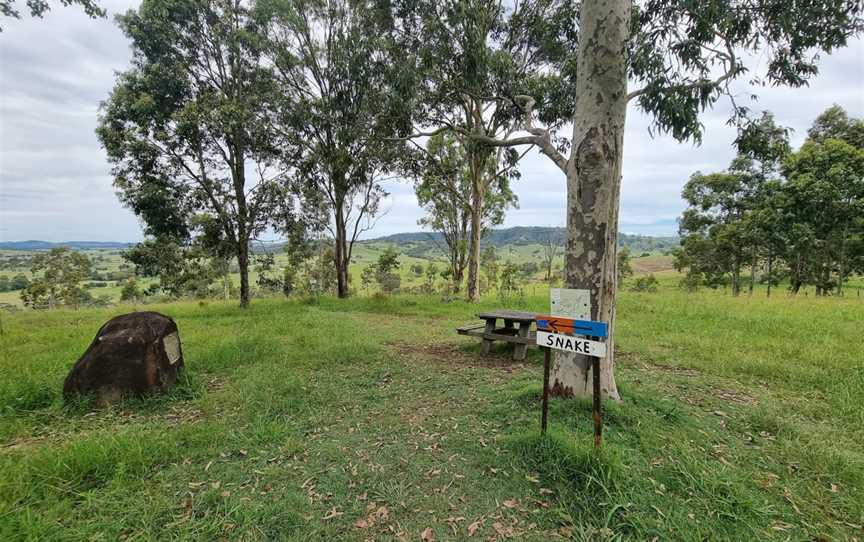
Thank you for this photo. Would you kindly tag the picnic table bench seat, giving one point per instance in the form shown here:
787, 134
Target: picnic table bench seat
521, 337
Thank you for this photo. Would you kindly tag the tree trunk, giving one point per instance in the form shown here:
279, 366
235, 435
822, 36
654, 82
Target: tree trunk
795, 280
458, 276
841, 271
594, 183
770, 274
340, 255
473, 287
826, 280
242, 225
753, 263
736, 276
243, 262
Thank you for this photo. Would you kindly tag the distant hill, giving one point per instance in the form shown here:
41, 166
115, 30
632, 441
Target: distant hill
418, 242
77, 245
531, 235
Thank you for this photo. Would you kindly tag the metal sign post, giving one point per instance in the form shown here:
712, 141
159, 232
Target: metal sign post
581, 337
547, 354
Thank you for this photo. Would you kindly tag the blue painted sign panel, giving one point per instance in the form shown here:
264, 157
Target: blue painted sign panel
569, 326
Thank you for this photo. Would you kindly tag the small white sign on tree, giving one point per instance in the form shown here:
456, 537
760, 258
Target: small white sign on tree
571, 303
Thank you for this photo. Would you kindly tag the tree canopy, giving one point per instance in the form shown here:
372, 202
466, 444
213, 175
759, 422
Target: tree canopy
188, 127
801, 209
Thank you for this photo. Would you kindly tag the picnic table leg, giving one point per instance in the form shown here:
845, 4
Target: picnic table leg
486, 346
521, 349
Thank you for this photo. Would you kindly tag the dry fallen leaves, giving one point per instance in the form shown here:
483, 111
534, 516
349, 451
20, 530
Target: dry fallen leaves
427, 535
333, 513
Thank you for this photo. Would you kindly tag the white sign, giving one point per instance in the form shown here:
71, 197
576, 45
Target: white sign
172, 347
570, 303
569, 343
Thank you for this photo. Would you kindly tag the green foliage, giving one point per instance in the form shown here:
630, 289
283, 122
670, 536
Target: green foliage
57, 275
510, 290
181, 134
19, 282
182, 270
384, 272
489, 265
802, 219
341, 96
429, 277
269, 279
625, 268
645, 283
677, 49
130, 291
38, 8
319, 273
444, 188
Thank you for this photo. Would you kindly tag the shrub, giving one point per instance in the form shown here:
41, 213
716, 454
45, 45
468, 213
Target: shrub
130, 291
648, 283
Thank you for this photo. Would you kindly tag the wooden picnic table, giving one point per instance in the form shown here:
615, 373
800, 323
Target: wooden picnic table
521, 337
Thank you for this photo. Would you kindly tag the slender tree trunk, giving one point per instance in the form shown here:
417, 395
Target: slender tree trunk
473, 287
841, 271
243, 262
340, 255
770, 274
753, 263
826, 280
458, 277
242, 226
594, 183
796, 280
736, 277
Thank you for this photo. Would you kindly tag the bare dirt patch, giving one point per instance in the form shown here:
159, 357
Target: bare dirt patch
653, 264
454, 356
733, 396
21, 443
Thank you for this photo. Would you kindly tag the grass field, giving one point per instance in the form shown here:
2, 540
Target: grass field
369, 418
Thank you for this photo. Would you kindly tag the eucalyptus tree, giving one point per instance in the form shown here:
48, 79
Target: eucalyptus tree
187, 128
343, 98
825, 191
681, 56
474, 55
443, 186
552, 241
762, 146
713, 231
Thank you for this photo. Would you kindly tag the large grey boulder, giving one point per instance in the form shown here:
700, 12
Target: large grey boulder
132, 354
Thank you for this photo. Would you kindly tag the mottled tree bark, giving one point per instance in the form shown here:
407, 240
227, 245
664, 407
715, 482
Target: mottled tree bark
472, 290
594, 182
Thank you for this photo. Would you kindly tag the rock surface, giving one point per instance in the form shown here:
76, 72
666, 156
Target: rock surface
132, 354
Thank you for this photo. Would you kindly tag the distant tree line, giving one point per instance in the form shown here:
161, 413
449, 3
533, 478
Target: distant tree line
786, 216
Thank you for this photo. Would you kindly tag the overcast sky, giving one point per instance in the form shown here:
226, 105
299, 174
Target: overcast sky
55, 183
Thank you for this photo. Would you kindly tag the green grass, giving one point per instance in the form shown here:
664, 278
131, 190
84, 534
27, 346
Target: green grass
368, 418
